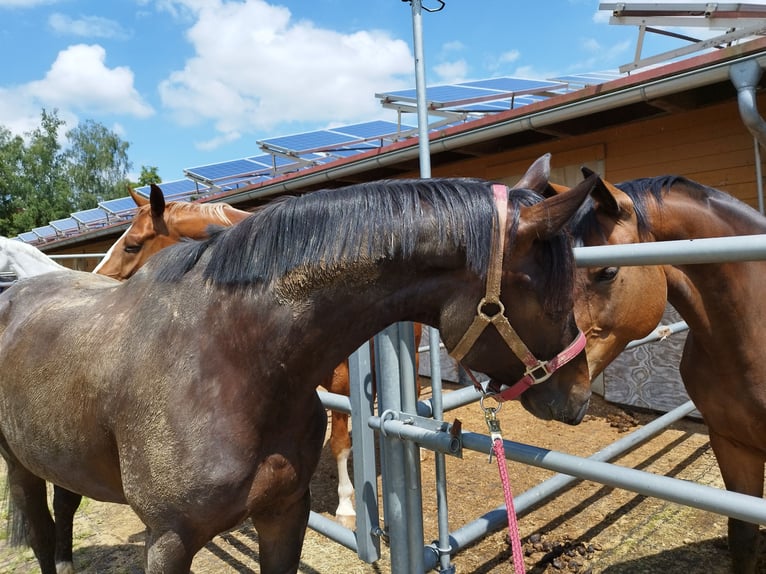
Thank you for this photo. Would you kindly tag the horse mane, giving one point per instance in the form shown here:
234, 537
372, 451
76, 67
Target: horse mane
369, 221
642, 191
215, 212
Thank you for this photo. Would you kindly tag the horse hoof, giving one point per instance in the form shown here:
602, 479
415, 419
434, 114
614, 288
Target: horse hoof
64, 568
346, 520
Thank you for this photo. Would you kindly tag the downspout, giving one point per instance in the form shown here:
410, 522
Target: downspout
745, 77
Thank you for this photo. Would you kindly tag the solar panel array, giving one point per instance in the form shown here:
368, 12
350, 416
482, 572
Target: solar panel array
455, 103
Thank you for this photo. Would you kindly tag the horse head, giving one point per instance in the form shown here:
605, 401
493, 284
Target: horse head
532, 314
613, 305
157, 225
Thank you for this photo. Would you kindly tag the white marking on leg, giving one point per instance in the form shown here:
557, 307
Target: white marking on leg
345, 486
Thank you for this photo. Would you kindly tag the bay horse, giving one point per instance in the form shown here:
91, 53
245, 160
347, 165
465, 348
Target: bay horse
188, 391
722, 365
159, 224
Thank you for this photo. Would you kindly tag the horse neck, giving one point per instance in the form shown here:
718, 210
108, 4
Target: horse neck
335, 313
709, 296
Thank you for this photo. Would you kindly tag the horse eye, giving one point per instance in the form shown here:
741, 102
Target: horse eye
607, 274
132, 248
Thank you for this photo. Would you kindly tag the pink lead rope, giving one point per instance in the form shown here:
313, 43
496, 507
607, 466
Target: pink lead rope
517, 553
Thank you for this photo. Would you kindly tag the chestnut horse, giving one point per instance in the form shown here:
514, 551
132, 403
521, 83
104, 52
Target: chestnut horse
188, 391
722, 365
158, 225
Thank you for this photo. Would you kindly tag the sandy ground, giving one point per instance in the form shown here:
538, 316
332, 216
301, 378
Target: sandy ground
589, 528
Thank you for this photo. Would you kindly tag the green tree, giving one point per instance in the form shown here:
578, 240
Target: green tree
11, 154
98, 164
148, 175
41, 193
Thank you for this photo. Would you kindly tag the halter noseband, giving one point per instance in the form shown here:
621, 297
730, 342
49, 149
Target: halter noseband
537, 371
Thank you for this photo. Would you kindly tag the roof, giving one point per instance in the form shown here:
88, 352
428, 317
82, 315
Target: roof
349, 154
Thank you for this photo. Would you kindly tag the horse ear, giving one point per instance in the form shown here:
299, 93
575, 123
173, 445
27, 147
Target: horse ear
537, 175
548, 217
137, 197
611, 200
157, 200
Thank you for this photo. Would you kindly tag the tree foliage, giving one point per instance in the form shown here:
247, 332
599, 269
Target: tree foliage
44, 176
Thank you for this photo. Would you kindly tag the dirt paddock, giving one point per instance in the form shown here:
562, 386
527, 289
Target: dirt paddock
588, 528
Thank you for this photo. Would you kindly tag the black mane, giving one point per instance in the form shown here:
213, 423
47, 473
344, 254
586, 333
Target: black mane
372, 221
641, 191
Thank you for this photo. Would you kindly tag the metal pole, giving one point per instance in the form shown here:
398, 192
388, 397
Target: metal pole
414, 497
393, 459
708, 250
365, 477
420, 88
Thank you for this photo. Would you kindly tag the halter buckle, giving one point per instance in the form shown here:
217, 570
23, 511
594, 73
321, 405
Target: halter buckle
540, 366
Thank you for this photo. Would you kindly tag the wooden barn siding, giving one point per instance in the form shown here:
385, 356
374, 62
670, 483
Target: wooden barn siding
710, 145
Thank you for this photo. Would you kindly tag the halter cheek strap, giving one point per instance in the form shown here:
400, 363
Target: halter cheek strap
536, 371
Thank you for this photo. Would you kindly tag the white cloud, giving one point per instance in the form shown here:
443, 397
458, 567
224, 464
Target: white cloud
256, 67
86, 26
451, 72
454, 46
602, 16
508, 57
80, 80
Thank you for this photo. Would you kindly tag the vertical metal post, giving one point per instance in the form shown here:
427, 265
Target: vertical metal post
414, 498
420, 88
393, 461
442, 514
365, 478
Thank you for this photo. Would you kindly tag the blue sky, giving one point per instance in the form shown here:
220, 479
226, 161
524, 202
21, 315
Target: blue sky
193, 82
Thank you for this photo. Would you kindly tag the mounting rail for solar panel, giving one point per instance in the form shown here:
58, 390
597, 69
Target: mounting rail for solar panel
740, 20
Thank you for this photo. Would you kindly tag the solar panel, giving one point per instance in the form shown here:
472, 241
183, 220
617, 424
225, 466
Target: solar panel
120, 207
515, 85
377, 129
308, 141
92, 217
29, 237
176, 190
45, 232
67, 226
225, 170
470, 92
590, 78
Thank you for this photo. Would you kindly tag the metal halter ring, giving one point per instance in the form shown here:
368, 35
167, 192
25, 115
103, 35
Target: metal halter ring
489, 409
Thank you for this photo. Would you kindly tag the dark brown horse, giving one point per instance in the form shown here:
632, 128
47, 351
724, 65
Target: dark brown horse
157, 225
188, 391
722, 365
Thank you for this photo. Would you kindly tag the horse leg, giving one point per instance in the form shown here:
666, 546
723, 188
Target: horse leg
65, 504
742, 471
280, 537
340, 444
30, 517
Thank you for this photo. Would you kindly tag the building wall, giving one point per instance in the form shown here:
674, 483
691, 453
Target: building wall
710, 145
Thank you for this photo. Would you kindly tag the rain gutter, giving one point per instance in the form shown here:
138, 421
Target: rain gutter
745, 77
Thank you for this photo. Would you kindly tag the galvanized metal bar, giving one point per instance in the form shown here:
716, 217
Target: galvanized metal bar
412, 475
393, 473
361, 396
498, 518
392, 425
708, 250
747, 508
442, 549
336, 532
